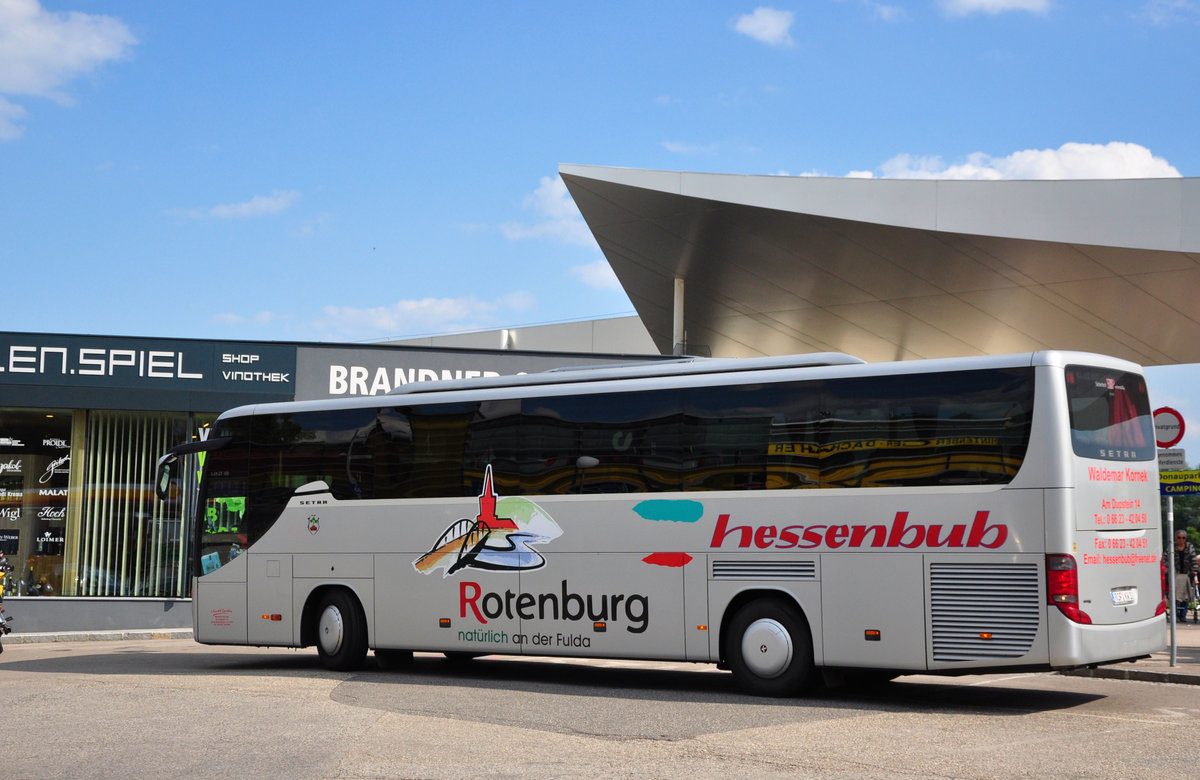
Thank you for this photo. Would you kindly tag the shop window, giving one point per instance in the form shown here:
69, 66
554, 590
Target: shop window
35, 463
130, 543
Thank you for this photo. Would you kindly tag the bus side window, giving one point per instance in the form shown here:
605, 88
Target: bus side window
963, 427
634, 437
494, 439
439, 436
747, 437
294, 449
984, 425
388, 448
854, 415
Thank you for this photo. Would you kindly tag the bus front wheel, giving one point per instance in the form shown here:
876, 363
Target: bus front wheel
769, 649
341, 632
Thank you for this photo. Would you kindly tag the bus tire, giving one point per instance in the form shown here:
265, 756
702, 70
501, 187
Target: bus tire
341, 631
769, 649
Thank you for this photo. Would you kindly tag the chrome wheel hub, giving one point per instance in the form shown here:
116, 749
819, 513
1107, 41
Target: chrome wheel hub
329, 630
767, 648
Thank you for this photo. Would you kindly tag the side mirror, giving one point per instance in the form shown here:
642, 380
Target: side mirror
164, 473
165, 469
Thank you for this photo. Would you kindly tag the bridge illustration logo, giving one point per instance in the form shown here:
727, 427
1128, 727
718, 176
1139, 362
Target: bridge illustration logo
499, 538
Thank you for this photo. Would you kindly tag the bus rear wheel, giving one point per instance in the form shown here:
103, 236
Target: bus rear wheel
341, 632
769, 649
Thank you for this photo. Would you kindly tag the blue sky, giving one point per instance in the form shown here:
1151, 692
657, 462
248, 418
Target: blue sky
369, 170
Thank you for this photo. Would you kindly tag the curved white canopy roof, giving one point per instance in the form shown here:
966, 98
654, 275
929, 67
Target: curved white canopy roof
896, 269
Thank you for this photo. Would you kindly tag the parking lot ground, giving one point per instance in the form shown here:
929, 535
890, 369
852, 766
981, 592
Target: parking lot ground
153, 708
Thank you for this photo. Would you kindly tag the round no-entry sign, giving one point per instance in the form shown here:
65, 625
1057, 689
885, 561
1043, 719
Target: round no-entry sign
1168, 427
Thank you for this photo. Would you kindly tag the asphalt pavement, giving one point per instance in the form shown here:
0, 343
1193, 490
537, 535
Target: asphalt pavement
1156, 668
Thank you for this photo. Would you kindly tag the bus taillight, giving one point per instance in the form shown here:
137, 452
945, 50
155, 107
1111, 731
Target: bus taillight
1062, 587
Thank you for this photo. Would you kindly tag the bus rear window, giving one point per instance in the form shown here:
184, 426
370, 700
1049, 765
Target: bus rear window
1110, 414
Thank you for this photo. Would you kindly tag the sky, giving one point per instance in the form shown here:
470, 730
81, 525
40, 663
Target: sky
366, 171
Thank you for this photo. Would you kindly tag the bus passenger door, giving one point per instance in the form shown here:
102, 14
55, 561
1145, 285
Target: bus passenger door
219, 605
269, 619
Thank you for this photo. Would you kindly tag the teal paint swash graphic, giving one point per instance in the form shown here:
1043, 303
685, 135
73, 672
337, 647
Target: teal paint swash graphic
667, 510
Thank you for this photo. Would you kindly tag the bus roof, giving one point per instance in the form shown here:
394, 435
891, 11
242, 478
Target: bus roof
660, 368
687, 370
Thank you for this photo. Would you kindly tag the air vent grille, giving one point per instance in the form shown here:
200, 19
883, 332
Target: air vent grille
985, 611
764, 570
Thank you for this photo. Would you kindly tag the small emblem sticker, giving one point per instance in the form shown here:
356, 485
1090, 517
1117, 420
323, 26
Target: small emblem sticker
314, 524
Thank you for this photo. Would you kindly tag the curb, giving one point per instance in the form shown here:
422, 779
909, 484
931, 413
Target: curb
1140, 675
97, 636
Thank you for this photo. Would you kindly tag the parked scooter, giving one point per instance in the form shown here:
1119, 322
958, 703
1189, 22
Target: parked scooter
5, 568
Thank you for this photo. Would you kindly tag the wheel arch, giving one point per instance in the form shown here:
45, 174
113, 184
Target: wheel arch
744, 597
311, 612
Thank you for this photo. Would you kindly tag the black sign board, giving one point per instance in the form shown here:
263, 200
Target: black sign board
127, 373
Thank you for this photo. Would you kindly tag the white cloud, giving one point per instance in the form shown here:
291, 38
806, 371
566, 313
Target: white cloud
10, 114
883, 12
888, 13
559, 218
683, 147
767, 25
1164, 12
315, 223
551, 199
966, 7
1114, 160
598, 275
417, 317
42, 51
234, 320
260, 205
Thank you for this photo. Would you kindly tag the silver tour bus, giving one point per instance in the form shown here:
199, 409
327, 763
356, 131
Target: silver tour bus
779, 517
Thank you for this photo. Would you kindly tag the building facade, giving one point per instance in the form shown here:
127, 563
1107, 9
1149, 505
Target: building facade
83, 420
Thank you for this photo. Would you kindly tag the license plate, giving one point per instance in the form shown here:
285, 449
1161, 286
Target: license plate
1123, 597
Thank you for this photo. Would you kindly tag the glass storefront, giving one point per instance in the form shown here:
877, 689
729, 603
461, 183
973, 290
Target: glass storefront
35, 468
78, 514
